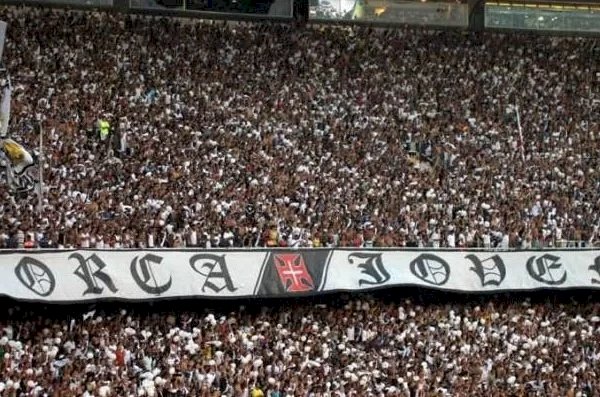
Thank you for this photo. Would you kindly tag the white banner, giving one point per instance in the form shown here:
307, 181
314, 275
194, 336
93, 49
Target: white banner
66, 276
84, 275
467, 271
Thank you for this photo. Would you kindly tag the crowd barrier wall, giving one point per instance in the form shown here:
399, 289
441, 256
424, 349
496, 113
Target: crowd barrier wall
73, 276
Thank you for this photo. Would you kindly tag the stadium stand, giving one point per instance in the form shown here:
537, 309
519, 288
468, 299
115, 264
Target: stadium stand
261, 135
336, 346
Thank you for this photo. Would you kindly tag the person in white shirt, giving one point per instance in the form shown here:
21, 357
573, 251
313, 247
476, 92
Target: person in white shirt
193, 238
558, 237
435, 239
504, 242
150, 240
451, 238
486, 239
85, 240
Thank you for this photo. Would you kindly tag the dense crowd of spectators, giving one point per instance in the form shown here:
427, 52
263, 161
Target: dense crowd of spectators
362, 347
266, 135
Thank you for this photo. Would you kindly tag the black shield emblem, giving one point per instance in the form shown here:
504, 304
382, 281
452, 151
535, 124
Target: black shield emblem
371, 265
491, 271
293, 272
144, 276
36, 276
546, 269
430, 269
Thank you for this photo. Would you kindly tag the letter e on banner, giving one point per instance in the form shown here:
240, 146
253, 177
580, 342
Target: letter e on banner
546, 269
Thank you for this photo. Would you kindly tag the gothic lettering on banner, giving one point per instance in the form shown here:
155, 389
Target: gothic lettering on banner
491, 271
90, 271
143, 273
596, 268
79, 275
35, 276
371, 265
547, 269
431, 269
215, 272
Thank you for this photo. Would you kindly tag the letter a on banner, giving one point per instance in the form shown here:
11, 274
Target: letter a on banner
215, 272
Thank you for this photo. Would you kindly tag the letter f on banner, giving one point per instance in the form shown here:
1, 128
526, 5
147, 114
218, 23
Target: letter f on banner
90, 271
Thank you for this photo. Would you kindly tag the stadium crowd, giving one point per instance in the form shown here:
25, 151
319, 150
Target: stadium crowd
354, 347
265, 135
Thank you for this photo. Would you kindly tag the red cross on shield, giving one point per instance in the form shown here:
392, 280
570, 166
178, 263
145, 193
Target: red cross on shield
293, 272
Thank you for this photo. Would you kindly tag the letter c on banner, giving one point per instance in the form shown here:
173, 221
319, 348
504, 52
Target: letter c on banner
144, 275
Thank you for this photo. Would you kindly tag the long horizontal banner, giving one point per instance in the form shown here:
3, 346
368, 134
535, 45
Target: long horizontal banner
83, 275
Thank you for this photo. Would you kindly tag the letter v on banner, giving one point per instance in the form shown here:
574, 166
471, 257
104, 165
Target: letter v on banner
491, 271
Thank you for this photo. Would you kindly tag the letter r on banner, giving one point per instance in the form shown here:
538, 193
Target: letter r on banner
90, 271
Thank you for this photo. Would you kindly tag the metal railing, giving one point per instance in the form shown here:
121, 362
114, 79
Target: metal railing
564, 245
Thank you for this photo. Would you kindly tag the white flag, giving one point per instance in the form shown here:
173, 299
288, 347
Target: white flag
89, 315
5, 111
2, 37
